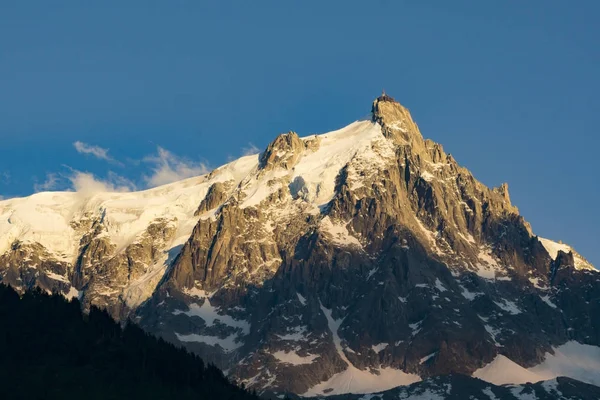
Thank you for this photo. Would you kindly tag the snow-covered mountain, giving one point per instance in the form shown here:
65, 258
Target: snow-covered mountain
110, 249
349, 262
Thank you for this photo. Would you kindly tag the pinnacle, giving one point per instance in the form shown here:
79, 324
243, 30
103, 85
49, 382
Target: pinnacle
395, 119
384, 103
283, 151
385, 97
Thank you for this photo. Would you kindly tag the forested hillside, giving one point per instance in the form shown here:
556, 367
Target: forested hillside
50, 350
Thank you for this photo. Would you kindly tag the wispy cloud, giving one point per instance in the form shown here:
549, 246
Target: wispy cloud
86, 183
5, 177
96, 151
250, 150
167, 168
51, 183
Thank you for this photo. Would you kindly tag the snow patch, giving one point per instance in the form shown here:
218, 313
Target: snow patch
427, 176
361, 143
298, 333
493, 332
488, 392
301, 299
546, 299
334, 326
143, 287
379, 347
437, 166
431, 237
508, 306
198, 293
536, 283
72, 294
371, 273
56, 277
487, 266
553, 247
210, 315
468, 237
339, 233
551, 386
228, 344
427, 357
293, 358
354, 380
469, 295
518, 392
573, 360
503, 371
439, 286
416, 327
257, 189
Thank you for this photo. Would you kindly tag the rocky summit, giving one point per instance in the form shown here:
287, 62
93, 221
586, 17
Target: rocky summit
350, 262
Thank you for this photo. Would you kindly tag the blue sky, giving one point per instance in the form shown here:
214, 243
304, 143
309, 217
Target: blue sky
174, 88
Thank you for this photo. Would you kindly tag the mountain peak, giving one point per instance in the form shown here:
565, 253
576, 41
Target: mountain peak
355, 260
395, 120
376, 110
283, 151
384, 97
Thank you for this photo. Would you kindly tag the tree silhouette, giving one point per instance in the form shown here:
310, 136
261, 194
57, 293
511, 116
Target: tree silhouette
50, 350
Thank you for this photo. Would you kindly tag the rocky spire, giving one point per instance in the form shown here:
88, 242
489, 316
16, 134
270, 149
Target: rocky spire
395, 120
285, 150
502, 190
385, 97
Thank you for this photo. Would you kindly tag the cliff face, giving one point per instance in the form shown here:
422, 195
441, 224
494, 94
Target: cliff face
352, 261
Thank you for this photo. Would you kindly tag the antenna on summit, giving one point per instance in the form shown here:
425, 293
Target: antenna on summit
384, 96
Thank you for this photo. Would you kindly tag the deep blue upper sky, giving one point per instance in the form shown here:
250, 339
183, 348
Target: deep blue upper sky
510, 88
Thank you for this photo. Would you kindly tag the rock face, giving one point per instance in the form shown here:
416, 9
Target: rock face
353, 261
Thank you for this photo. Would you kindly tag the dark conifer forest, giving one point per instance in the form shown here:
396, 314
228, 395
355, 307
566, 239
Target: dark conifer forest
49, 349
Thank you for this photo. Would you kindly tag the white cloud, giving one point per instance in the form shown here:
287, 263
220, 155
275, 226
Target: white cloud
86, 183
96, 151
5, 177
120, 182
250, 150
52, 181
167, 168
